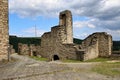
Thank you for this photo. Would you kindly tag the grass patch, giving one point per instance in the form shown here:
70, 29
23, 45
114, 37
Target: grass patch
110, 69
71, 61
99, 60
39, 58
92, 60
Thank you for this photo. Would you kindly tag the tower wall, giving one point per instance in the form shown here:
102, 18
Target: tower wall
4, 37
66, 22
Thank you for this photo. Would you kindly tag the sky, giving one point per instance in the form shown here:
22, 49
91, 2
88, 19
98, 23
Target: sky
89, 16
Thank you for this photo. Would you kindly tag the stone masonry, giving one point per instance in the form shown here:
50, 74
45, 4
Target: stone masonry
98, 44
25, 49
4, 38
58, 43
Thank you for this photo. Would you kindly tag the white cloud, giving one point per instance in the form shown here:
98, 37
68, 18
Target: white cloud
81, 36
104, 14
114, 33
111, 3
81, 24
33, 8
33, 32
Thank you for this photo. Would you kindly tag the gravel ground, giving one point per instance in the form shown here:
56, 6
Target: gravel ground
25, 68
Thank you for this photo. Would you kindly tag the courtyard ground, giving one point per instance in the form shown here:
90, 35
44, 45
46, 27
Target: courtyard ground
25, 68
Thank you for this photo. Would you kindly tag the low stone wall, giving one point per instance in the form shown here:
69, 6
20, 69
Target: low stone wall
23, 49
11, 49
31, 50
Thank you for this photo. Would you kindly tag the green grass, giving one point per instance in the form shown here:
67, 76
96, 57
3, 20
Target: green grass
39, 58
99, 60
110, 69
92, 60
71, 61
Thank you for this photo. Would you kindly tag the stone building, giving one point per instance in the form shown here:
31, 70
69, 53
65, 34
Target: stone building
4, 38
58, 43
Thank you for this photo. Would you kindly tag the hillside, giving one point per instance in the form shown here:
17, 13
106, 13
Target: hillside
116, 45
14, 40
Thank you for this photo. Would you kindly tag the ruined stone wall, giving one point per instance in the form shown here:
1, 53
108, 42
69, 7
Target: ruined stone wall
59, 42
11, 49
66, 23
59, 48
4, 38
52, 44
104, 43
56, 42
45, 48
88, 49
91, 52
31, 50
23, 49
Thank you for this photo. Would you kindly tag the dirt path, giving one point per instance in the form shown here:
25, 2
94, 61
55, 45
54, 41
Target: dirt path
28, 69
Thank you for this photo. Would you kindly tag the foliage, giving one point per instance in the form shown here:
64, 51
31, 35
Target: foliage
13, 40
116, 45
77, 41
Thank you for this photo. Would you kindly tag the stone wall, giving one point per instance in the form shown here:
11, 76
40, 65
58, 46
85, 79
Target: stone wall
91, 52
104, 43
11, 49
51, 45
66, 22
58, 43
31, 50
23, 49
4, 38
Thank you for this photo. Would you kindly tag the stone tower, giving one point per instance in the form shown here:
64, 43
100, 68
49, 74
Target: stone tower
4, 35
66, 22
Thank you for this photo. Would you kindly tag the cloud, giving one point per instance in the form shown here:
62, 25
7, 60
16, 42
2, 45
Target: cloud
115, 34
32, 32
81, 36
81, 24
104, 14
33, 8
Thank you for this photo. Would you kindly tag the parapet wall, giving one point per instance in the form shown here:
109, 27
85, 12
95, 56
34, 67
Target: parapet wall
4, 38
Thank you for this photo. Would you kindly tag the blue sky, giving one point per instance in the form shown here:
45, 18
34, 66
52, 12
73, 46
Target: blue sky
89, 16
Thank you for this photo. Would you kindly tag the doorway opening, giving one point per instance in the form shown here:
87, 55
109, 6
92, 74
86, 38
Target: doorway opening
55, 57
34, 53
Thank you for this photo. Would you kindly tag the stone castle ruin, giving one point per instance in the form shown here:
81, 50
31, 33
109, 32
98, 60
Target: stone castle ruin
58, 44
4, 37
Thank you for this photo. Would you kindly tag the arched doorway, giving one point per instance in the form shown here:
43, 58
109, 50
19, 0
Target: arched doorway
55, 57
34, 53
